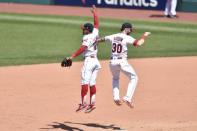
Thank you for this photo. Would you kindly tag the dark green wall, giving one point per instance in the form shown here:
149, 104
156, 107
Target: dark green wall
187, 5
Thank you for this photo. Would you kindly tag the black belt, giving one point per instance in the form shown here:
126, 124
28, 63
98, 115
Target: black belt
92, 56
115, 58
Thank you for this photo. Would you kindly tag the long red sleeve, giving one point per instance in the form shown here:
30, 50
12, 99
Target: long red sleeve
136, 41
96, 20
79, 51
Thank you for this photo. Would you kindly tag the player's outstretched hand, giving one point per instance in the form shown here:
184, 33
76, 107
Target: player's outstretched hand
94, 10
147, 33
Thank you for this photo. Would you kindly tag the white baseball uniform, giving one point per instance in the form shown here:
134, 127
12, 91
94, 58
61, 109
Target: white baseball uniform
170, 8
91, 64
119, 63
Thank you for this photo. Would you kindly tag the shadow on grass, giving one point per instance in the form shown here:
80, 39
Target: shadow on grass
72, 126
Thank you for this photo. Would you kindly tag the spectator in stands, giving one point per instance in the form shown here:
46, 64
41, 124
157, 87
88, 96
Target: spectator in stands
170, 8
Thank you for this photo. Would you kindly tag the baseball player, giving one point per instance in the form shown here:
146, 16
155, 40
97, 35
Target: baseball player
118, 62
170, 8
91, 64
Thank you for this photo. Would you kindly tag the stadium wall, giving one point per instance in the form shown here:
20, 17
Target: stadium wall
187, 5
129, 4
183, 5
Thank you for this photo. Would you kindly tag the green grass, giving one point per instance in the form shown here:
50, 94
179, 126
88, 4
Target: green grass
32, 39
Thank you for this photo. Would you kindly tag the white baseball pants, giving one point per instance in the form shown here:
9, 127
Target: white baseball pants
170, 8
89, 71
122, 65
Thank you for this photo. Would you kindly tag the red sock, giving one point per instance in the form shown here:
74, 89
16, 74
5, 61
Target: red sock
92, 92
84, 90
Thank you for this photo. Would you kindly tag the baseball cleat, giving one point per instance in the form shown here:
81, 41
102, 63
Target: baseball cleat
118, 102
130, 104
90, 108
81, 107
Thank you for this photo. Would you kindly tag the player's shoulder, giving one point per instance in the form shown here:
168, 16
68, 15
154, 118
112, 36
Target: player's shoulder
89, 37
127, 36
85, 37
95, 32
95, 29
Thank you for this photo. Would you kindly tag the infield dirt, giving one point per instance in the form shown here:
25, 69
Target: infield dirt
44, 97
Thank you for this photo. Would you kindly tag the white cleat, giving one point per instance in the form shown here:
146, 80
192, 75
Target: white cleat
130, 104
90, 108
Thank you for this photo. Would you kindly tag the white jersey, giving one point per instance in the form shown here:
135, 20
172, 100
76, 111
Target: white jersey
89, 40
119, 63
119, 44
91, 64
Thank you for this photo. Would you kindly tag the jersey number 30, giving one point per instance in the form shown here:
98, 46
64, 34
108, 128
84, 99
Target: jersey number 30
116, 48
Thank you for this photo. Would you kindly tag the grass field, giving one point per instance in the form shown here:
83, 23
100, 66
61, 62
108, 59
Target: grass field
32, 39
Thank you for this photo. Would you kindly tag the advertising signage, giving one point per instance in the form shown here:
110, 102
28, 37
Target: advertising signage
129, 4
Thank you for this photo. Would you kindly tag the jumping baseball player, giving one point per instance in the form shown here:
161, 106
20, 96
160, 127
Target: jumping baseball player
118, 62
91, 64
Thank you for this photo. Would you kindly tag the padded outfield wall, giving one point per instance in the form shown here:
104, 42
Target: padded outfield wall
183, 5
129, 4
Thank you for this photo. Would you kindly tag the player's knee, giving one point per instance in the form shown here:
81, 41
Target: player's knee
92, 84
134, 77
84, 82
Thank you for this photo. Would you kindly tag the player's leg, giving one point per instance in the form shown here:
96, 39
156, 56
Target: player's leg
92, 82
93, 86
115, 71
83, 104
92, 105
173, 7
167, 8
130, 73
85, 78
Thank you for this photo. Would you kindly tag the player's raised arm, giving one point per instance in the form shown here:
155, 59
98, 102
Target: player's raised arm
95, 14
141, 41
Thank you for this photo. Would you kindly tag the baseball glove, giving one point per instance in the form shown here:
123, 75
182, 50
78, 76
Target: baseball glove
67, 62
